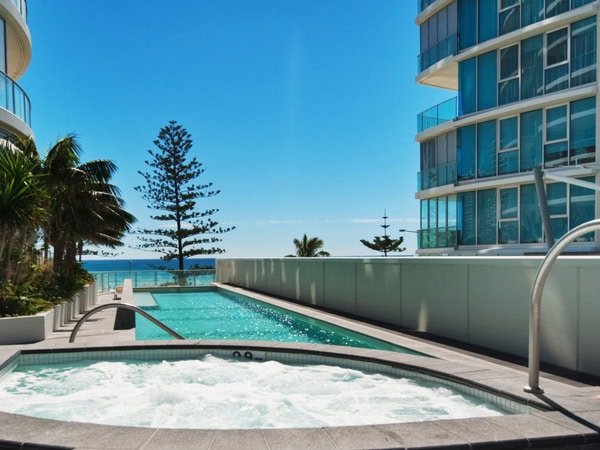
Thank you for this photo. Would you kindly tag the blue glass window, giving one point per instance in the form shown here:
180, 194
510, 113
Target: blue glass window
508, 155
486, 217
556, 150
466, 215
557, 72
533, 11
583, 52
556, 123
556, 7
467, 16
486, 80
486, 149
508, 230
467, 89
532, 67
466, 152
531, 220
581, 207
509, 203
2, 47
433, 213
560, 225
508, 87
531, 139
509, 133
424, 214
487, 19
510, 16
556, 193
582, 131
452, 211
578, 3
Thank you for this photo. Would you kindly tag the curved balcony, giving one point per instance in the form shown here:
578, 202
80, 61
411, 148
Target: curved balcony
440, 113
14, 100
18, 39
437, 176
21, 6
438, 237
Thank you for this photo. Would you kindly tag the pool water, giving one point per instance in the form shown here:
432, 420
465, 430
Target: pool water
213, 392
220, 315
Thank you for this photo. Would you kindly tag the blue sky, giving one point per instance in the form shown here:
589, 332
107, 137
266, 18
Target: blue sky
302, 112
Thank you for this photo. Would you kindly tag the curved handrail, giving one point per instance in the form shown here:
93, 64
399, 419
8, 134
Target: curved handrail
536, 296
124, 306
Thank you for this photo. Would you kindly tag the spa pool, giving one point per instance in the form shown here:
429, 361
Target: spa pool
233, 388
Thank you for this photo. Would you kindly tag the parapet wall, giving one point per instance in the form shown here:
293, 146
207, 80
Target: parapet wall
478, 300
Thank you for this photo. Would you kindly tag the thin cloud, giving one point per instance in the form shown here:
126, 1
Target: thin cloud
389, 220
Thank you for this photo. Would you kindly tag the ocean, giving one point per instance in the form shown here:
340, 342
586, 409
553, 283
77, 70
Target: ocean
118, 265
110, 273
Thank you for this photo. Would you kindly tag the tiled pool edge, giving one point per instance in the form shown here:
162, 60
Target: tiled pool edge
546, 428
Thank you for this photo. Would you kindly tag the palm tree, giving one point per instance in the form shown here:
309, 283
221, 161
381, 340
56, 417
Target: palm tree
21, 206
82, 204
309, 248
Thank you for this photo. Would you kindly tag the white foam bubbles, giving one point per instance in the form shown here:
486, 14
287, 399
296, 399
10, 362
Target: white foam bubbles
221, 393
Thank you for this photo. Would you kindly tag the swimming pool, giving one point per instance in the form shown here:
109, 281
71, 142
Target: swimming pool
219, 314
225, 388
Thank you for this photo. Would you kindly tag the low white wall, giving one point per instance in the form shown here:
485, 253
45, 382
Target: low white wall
479, 300
28, 329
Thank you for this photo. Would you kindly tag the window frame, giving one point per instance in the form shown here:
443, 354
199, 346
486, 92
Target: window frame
516, 219
516, 148
565, 140
516, 5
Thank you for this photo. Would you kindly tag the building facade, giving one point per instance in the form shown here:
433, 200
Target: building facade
526, 78
15, 56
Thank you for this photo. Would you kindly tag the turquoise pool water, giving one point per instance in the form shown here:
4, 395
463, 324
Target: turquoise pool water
223, 315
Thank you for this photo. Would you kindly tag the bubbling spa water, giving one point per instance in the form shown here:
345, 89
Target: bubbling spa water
220, 393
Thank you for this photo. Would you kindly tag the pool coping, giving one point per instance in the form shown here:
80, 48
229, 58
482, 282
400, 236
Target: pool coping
577, 425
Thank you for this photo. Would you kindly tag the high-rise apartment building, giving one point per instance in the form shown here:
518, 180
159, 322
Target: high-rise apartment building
15, 56
526, 78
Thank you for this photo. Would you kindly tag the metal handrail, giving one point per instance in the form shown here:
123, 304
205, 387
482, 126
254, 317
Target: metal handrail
124, 306
536, 296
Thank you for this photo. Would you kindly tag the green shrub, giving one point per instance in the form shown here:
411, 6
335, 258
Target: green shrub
18, 301
42, 292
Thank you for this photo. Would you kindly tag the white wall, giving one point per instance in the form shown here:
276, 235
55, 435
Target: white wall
479, 300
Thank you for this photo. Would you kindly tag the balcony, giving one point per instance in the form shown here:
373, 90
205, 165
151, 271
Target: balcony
437, 176
438, 114
14, 99
422, 4
438, 238
444, 48
21, 6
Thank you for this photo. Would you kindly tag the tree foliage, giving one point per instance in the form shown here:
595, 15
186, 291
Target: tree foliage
83, 205
63, 203
309, 247
173, 191
385, 244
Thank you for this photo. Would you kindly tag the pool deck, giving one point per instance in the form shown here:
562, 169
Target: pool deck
573, 422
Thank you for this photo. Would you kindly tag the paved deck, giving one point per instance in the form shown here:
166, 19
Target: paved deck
573, 423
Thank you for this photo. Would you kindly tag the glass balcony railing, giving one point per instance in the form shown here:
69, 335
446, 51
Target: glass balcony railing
21, 6
108, 281
422, 4
444, 48
437, 238
14, 99
437, 176
436, 115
